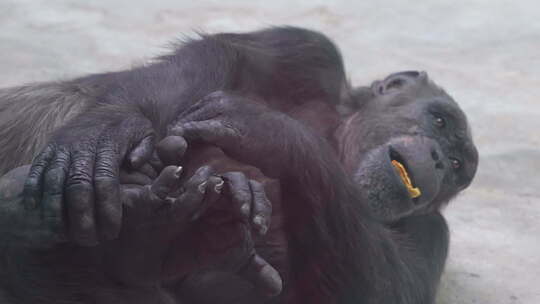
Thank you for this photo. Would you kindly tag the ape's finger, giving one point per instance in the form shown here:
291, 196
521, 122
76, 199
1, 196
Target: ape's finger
171, 149
33, 184
51, 205
190, 201
166, 182
265, 278
261, 213
107, 190
239, 190
79, 198
210, 131
138, 200
214, 187
147, 170
130, 196
142, 153
193, 109
134, 178
201, 110
155, 162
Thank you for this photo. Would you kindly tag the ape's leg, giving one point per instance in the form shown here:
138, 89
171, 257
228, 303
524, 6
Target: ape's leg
425, 249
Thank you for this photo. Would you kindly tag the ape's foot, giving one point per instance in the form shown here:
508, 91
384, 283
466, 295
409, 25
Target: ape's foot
220, 237
204, 222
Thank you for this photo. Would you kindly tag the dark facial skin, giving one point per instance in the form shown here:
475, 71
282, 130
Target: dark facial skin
408, 118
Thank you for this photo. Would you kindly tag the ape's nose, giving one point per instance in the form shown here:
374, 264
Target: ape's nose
436, 156
423, 158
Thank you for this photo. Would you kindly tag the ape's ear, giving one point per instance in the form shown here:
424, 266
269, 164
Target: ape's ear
353, 98
397, 81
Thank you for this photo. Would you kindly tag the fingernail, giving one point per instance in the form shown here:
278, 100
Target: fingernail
178, 172
134, 161
169, 200
219, 186
202, 187
271, 281
176, 130
258, 220
245, 209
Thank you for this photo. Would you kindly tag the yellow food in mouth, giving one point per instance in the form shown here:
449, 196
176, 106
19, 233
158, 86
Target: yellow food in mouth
413, 192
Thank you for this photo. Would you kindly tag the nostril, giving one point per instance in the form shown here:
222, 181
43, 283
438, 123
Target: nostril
434, 155
439, 165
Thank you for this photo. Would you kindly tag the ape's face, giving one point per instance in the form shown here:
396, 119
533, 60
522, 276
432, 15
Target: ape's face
415, 123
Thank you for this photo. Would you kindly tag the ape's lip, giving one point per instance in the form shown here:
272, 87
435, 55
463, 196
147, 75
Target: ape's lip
393, 154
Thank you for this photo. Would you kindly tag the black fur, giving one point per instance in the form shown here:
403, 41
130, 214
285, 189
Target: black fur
339, 252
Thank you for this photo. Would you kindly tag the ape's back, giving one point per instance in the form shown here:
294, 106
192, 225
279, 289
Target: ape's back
28, 114
281, 65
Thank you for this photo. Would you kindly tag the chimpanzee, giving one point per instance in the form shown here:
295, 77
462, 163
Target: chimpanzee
347, 159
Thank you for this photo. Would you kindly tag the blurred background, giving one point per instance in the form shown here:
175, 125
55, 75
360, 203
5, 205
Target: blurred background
485, 53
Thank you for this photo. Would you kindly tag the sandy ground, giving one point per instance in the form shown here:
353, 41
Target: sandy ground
486, 53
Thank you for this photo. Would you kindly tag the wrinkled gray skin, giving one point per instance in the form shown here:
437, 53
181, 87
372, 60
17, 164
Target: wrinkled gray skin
431, 138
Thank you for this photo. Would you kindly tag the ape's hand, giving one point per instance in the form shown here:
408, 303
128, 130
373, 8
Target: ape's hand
154, 216
78, 172
246, 130
222, 239
169, 233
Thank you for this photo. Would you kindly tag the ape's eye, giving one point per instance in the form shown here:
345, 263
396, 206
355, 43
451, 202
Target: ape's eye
456, 164
439, 122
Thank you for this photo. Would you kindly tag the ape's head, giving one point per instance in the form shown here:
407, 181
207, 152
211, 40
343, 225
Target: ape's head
408, 119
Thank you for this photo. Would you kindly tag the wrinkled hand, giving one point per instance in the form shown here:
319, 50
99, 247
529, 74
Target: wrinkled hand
79, 169
244, 129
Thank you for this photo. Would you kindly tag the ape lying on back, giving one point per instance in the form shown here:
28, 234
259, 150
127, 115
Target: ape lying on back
284, 107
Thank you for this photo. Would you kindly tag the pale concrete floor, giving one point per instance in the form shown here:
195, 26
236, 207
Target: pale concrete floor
486, 53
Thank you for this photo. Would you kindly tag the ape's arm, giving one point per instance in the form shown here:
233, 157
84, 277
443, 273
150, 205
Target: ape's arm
151, 231
26, 249
38, 265
281, 65
424, 248
311, 178
310, 173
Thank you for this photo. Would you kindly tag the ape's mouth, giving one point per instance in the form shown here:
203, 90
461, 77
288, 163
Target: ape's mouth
400, 165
